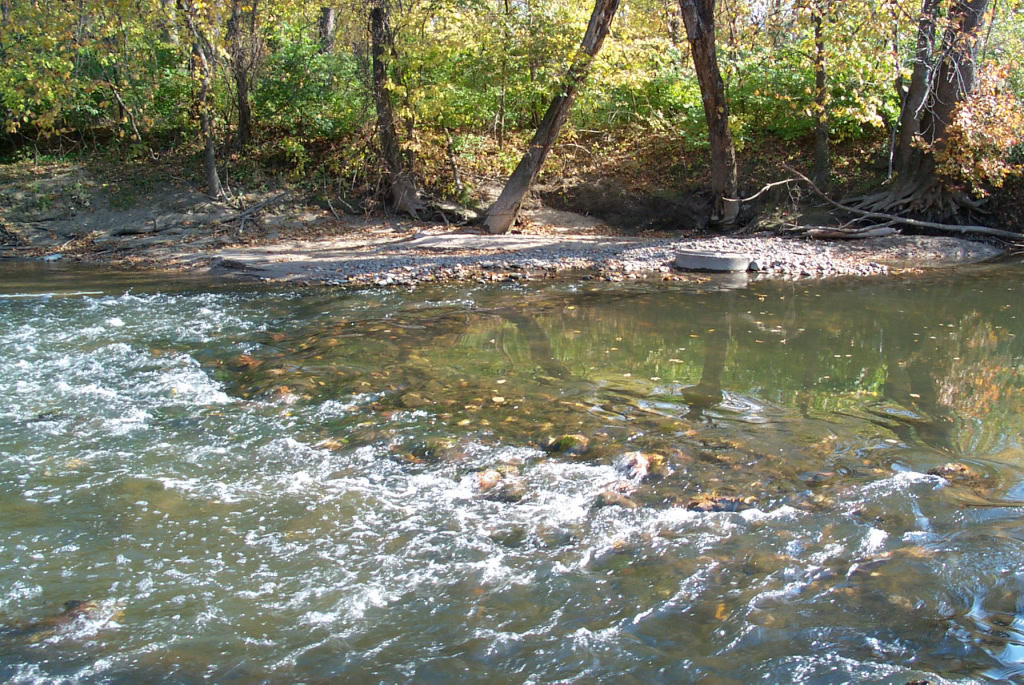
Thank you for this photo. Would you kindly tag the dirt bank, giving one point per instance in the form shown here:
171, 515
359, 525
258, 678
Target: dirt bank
61, 212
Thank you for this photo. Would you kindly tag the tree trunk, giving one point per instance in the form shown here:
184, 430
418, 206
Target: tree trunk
326, 29
822, 169
942, 78
200, 49
502, 214
914, 100
244, 111
168, 28
245, 49
405, 195
699, 19
957, 68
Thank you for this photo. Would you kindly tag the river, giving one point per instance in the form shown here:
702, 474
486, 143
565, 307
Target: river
571, 481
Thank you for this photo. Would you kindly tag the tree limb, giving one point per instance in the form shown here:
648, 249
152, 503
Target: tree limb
760, 192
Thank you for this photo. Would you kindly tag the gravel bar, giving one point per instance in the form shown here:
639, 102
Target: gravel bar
449, 257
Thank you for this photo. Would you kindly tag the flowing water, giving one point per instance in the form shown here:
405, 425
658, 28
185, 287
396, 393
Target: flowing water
506, 483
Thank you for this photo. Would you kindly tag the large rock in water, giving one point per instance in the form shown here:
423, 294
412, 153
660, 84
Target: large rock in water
708, 260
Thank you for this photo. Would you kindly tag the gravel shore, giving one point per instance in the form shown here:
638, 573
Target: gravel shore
431, 256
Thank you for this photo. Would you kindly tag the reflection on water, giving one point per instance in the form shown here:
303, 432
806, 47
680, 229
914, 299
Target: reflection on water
509, 484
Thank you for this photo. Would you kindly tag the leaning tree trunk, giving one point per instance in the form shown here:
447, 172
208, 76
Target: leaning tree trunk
502, 214
699, 19
405, 195
913, 111
943, 77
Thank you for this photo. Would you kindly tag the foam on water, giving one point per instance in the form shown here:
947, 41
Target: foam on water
239, 541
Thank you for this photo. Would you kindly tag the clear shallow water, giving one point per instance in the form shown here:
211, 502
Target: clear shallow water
283, 485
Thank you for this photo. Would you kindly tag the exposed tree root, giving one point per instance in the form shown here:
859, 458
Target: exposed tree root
864, 211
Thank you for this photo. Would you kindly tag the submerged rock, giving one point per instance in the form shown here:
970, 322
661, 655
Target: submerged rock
439, 448
641, 466
47, 627
958, 473
706, 502
611, 498
411, 400
574, 445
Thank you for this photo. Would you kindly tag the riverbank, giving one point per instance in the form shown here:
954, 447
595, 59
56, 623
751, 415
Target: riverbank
383, 254
433, 254
63, 214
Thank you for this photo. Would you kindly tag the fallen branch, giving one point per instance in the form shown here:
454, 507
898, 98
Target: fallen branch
327, 195
892, 218
760, 192
841, 234
241, 216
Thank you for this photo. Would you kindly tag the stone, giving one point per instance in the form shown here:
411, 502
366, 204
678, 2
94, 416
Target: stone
411, 400
570, 445
706, 502
957, 472
701, 260
500, 484
487, 480
641, 466
610, 498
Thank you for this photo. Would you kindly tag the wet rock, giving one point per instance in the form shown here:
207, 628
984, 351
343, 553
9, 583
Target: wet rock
508, 535
486, 480
283, 394
40, 630
708, 502
574, 445
411, 400
333, 444
611, 498
958, 473
438, 448
500, 485
641, 466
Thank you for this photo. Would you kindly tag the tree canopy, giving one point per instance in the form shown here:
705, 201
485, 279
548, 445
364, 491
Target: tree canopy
272, 84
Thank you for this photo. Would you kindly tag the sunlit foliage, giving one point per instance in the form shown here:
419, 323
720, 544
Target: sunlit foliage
119, 73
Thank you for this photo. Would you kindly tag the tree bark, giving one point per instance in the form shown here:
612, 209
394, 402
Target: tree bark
245, 47
822, 168
699, 19
203, 56
502, 214
405, 194
244, 111
168, 28
956, 70
913, 102
326, 29
942, 78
